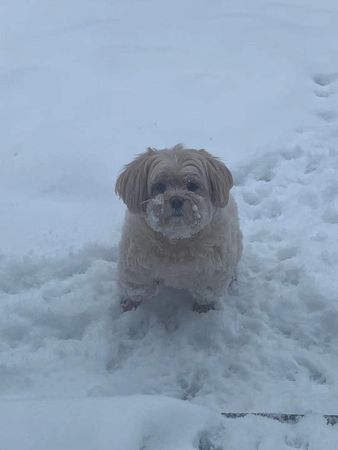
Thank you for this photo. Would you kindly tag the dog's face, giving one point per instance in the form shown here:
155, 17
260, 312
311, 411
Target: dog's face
177, 189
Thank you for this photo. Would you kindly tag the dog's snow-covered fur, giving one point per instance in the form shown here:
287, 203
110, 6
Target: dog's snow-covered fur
181, 229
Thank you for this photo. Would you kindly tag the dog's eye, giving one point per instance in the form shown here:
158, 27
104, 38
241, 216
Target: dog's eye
191, 186
158, 188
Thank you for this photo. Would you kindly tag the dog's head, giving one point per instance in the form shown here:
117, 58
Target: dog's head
177, 189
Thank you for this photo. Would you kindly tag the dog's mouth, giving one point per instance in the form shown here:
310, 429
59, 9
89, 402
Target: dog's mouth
177, 213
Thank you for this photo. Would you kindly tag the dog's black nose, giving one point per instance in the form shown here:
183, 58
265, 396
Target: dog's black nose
176, 202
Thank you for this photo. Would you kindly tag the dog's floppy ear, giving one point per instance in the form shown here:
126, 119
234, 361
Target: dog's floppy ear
131, 184
220, 179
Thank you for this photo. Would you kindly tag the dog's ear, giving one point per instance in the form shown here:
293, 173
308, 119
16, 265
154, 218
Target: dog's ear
220, 179
131, 185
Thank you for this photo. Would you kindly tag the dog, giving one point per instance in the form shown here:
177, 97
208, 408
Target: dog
181, 228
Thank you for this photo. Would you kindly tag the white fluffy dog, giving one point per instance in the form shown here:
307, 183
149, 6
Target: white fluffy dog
181, 229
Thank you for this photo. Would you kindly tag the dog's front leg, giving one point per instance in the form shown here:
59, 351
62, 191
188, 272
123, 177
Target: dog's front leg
132, 295
207, 296
205, 299
130, 303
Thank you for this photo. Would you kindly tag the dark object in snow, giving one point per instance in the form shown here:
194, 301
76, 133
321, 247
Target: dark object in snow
331, 419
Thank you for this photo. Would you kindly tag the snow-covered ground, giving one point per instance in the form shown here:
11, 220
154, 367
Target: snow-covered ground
84, 86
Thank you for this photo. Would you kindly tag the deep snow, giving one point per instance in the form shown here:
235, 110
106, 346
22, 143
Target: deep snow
83, 88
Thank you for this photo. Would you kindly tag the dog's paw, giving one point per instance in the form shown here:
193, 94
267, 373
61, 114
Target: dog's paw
129, 304
203, 308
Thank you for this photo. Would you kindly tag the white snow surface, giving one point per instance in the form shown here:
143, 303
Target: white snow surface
84, 86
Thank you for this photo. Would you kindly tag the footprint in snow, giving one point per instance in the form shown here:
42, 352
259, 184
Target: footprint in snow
325, 79
327, 116
297, 442
324, 88
325, 84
